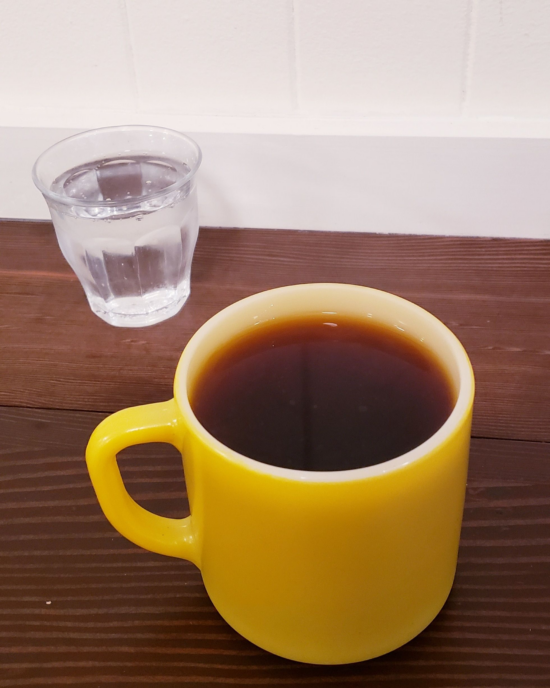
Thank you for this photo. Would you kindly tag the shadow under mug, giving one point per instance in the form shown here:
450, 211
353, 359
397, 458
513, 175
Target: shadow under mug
319, 567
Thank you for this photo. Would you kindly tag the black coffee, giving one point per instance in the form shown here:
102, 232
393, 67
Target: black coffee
322, 393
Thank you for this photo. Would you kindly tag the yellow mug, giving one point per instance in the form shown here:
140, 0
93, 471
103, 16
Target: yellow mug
320, 567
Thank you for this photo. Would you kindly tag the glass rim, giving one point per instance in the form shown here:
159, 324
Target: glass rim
69, 201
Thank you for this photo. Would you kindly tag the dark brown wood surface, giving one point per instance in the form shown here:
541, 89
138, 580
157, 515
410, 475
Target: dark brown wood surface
79, 605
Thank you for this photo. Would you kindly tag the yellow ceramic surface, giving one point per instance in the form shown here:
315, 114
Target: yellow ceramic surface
322, 567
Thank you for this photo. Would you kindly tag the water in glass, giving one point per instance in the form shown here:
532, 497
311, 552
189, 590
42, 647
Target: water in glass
129, 235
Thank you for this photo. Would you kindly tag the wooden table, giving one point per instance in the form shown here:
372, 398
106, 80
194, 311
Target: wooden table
82, 606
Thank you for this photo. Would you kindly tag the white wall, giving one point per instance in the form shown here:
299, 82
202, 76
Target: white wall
306, 66
408, 185
368, 115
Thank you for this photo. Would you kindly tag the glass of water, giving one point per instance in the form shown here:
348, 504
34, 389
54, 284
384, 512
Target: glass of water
123, 202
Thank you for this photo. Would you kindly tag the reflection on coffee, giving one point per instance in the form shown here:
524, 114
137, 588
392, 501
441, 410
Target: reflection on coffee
322, 393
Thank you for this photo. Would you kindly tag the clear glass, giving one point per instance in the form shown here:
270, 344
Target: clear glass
123, 202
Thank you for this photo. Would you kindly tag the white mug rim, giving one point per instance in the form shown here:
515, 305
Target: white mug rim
451, 426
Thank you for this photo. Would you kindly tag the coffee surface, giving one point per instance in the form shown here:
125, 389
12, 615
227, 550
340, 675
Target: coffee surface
322, 393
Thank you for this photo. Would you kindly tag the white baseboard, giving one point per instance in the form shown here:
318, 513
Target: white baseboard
441, 185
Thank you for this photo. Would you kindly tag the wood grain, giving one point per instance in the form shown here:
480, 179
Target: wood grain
80, 605
494, 293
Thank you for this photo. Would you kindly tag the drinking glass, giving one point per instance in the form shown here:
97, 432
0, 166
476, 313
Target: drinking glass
123, 202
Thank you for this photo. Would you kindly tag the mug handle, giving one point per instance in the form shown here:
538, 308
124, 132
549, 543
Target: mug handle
138, 425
